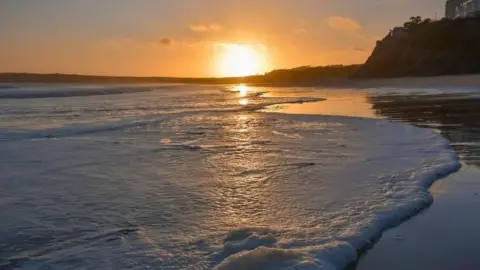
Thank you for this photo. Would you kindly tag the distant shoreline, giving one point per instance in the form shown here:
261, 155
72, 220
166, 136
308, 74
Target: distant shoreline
75, 78
299, 75
258, 80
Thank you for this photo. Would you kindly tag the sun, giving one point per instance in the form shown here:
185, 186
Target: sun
236, 60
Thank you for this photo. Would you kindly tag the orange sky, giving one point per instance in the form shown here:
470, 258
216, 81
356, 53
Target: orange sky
192, 37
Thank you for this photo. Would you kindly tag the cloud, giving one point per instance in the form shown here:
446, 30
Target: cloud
206, 28
343, 23
359, 49
215, 27
199, 28
166, 41
140, 41
300, 31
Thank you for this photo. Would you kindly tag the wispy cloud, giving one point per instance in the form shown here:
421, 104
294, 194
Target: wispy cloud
145, 41
166, 41
300, 31
215, 27
359, 49
343, 23
206, 27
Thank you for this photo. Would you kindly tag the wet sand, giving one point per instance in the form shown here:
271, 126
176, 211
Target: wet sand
418, 82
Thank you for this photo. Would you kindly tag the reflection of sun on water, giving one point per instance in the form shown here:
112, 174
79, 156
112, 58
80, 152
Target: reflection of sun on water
243, 192
165, 141
236, 60
243, 101
242, 90
243, 126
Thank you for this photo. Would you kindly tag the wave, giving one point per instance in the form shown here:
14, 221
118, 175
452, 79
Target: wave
71, 92
73, 130
264, 105
255, 248
79, 240
85, 129
261, 250
264, 248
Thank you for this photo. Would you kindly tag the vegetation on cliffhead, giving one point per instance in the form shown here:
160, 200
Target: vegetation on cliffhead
426, 48
310, 75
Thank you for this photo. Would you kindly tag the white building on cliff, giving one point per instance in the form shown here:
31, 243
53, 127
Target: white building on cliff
461, 8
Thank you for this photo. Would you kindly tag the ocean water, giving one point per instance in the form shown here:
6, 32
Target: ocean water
201, 177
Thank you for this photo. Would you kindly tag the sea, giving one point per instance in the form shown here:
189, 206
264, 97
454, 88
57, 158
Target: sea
179, 176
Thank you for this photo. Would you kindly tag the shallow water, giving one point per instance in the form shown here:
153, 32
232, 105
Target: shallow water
199, 177
341, 102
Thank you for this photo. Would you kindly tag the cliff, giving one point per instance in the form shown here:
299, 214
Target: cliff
426, 48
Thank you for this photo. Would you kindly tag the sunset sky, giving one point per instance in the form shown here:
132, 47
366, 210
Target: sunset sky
195, 38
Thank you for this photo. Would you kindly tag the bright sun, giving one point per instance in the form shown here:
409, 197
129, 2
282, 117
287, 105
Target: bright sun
239, 60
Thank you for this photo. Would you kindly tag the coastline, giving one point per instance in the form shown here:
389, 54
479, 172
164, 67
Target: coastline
451, 107
444, 235
467, 80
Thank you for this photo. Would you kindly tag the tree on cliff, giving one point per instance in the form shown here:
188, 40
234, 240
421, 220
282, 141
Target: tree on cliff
414, 22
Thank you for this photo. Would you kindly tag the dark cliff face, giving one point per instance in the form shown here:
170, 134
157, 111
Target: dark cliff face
445, 47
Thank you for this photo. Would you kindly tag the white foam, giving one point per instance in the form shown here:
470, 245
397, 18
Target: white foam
331, 256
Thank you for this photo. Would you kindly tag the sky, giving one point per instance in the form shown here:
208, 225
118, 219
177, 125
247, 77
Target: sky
193, 38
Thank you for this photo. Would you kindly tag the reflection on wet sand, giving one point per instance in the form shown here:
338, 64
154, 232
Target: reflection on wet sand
337, 102
456, 116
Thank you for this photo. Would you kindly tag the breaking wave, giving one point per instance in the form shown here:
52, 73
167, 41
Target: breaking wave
60, 92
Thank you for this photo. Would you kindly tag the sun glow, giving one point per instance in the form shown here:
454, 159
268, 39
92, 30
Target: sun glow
234, 60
